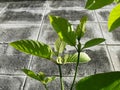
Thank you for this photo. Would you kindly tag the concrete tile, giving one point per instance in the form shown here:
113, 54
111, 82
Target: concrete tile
3, 48
100, 63
12, 64
11, 83
56, 4
54, 85
115, 56
48, 35
2, 6
9, 33
27, 4
102, 14
111, 37
21, 17
72, 15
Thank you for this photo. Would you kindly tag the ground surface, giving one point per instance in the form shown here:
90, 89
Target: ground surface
29, 20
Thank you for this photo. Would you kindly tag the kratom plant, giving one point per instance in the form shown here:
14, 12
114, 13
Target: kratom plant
70, 36
67, 36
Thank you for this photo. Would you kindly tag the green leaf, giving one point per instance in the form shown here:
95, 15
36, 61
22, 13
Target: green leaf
64, 29
96, 4
33, 47
59, 45
80, 31
72, 58
31, 74
49, 79
103, 81
93, 42
114, 18
41, 75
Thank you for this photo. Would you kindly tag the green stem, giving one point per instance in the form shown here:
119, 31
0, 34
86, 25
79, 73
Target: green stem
61, 80
45, 86
76, 70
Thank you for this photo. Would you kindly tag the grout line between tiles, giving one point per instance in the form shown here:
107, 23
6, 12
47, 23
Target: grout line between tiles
111, 61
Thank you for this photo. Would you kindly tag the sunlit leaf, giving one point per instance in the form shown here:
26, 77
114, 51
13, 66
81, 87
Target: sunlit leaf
33, 47
95, 4
103, 81
114, 18
93, 42
80, 31
64, 29
59, 45
50, 79
72, 58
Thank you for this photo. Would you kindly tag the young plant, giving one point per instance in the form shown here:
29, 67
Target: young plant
67, 36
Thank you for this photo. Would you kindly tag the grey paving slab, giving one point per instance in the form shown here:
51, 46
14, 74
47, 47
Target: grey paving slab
57, 4
11, 82
71, 14
9, 33
54, 85
115, 55
27, 5
102, 14
48, 35
100, 63
12, 64
111, 37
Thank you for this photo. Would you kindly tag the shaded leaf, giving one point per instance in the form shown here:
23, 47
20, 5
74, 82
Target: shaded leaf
80, 31
93, 42
33, 47
103, 81
114, 18
96, 4
59, 45
31, 74
72, 58
64, 29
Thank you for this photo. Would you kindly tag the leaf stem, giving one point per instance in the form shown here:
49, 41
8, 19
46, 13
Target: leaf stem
76, 68
45, 86
61, 80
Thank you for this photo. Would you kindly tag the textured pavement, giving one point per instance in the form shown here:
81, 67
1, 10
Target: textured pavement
29, 20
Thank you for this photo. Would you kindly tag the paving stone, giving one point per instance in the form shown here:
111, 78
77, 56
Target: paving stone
27, 4
102, 14
111, 37
71, 15
21, 17
48, 35
56, 4
12, 64
115, 55
11, 82
9, 33
99, 63
2, 6
54, 85
3, 48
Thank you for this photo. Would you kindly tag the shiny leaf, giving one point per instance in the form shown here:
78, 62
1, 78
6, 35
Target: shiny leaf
93, 42
103, 81
33, 47
96, 4
114, 18
64, 29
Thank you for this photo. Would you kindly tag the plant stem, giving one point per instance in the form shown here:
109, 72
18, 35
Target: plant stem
61, 80
45, 86
76, 70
